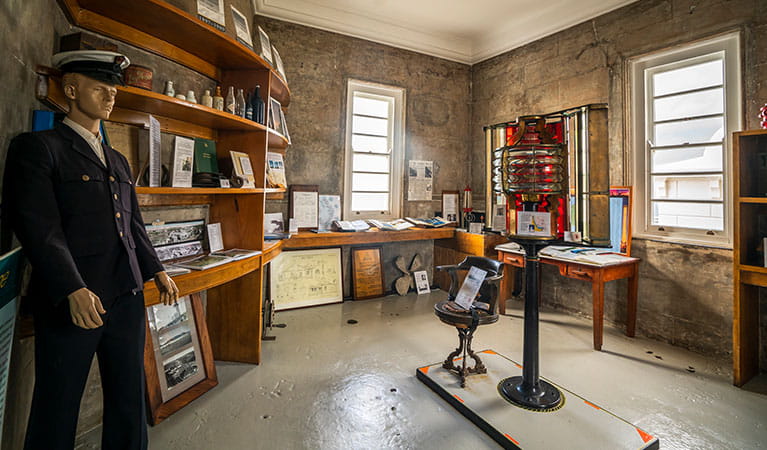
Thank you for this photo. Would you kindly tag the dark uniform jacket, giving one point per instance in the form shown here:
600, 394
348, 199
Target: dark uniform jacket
78, 221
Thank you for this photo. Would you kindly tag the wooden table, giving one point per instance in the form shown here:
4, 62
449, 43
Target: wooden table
597, 275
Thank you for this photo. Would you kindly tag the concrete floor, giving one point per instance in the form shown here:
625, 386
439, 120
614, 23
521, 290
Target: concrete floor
327, 384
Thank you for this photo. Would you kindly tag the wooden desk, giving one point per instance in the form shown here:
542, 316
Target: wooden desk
597, 275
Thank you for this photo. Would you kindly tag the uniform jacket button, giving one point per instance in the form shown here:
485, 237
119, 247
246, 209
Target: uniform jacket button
117, 215
86, 178
111, 178
115, 196
121, 234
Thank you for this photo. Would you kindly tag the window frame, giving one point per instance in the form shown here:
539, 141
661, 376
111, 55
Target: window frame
397, 153
729, 45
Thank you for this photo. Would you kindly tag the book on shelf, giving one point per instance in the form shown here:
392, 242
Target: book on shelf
205, 158
434, 222
394, 225
183, 155
275, 170
355, 225
173, 271
203, 262
585, 255
237, 253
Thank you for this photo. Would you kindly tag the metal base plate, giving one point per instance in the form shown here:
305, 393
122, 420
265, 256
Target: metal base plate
546, 397
577, 424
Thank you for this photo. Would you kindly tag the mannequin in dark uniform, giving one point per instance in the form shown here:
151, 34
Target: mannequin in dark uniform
71, 203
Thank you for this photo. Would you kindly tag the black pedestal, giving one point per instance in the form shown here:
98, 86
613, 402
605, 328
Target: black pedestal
529, 391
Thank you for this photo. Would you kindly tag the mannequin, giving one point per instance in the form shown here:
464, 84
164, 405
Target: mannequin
71, 202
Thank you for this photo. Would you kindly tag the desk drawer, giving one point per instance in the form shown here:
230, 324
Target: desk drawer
580, 272
513, 259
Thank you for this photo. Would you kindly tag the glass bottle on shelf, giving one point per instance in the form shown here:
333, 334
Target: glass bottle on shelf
218, 100
230, 105
240, 103
248, 108
206, 99
258, 106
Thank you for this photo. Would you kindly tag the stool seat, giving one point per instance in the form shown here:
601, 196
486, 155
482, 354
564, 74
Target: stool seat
446, 312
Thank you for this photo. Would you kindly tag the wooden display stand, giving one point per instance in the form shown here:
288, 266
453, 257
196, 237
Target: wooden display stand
235, 289
750, 273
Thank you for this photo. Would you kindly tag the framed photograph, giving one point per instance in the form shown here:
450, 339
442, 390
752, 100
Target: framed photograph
306, 278
265, 45
243, 168
422, 282
304, 205
175, 232
367, 273
284, 129
212, 13
450, 206
330, 211
278, 63
275, 115
273, 223
176, 251
241, 28
178, 359
183, 155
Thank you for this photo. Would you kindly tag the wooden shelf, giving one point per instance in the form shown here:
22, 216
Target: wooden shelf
311, 240
754, 200
148, 102
271, 250
276, 140
203, 191
201, 280
170, 32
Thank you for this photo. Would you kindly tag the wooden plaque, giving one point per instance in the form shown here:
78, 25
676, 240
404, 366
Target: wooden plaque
367, 273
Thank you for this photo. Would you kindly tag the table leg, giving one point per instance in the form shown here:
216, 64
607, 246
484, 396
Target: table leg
598, 291
505, 288
631, 306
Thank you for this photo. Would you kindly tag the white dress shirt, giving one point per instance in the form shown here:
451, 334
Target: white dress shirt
94, 140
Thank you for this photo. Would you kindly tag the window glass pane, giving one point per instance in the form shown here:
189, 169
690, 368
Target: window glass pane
371, 163
689, 105
370, 144
370, 106
370, 202
688, 78
687, 187
368, 125
370, 182
689, 131
688, 215
689, 159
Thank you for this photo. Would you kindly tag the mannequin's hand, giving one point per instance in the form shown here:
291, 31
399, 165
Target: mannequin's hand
167, 288
85, 307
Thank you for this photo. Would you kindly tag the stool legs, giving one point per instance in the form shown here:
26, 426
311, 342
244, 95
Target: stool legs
465, 336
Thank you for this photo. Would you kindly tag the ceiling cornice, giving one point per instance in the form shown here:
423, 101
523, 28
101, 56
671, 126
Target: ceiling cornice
466, 50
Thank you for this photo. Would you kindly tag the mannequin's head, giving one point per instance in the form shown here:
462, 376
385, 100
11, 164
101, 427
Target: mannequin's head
87, 97
89, 81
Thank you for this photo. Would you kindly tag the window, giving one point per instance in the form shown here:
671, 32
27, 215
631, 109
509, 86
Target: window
685, 106
374, 151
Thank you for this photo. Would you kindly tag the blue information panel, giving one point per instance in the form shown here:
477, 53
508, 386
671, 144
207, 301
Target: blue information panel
10, 271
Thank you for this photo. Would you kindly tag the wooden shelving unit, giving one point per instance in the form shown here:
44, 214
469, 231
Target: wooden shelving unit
750, 181
234, 306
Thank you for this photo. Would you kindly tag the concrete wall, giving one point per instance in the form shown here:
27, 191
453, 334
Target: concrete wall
685, 292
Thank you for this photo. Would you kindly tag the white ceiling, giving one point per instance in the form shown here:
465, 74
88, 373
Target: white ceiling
467, 31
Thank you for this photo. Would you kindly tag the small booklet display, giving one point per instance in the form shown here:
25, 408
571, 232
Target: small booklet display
355, 225
172, 270
395, 225
236, 253
204, 262
434, 222
470, 288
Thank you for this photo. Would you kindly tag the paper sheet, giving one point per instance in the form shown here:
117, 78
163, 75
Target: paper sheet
420, 179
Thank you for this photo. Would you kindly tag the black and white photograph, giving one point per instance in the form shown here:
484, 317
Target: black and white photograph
212, 13
176, 251
273, 223
175, 338
175, 233
180, 367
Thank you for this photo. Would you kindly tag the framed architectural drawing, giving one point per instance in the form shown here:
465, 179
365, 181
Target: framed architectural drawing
367, 273
306, 278
178, 359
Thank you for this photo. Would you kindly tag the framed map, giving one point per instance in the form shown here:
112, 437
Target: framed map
306, 278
